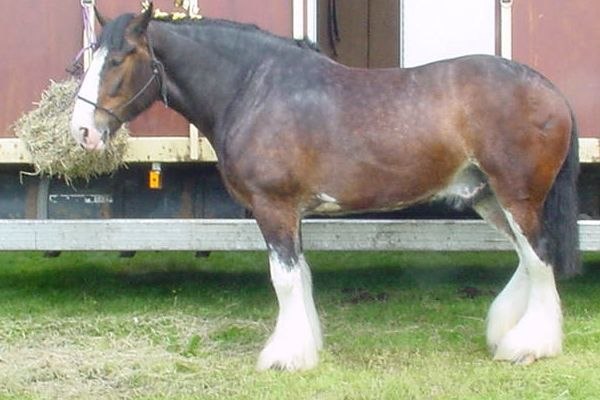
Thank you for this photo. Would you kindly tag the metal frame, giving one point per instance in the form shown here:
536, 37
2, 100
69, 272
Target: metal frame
243, 234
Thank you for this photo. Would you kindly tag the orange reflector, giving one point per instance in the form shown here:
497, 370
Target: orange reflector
155, 177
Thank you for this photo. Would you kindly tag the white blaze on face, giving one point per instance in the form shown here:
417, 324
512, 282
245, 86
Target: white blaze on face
83, 126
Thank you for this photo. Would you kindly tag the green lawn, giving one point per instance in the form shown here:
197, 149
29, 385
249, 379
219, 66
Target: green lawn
167, 325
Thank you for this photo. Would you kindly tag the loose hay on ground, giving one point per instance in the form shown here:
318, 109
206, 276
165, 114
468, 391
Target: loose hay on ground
112, 357
54, 152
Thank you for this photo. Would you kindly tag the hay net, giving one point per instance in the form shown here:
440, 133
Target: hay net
45, 131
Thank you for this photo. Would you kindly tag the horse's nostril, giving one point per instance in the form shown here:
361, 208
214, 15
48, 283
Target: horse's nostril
85, 132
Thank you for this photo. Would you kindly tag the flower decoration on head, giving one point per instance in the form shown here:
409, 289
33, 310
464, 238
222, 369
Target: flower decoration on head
192, 11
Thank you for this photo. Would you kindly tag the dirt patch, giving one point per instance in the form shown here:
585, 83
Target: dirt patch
362, 295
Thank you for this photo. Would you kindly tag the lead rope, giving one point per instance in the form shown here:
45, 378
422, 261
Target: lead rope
77, 67
89, 31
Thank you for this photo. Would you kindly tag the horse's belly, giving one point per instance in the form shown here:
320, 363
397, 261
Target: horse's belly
376, 190
386, 167
460, 189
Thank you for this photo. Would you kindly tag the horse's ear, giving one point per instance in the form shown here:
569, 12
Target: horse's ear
101, 20
139, 24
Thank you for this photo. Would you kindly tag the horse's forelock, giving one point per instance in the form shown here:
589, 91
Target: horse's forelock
113, 33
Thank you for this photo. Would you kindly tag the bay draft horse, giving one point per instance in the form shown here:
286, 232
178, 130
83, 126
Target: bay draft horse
298, 134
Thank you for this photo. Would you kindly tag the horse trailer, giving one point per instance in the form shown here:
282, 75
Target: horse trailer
170, 195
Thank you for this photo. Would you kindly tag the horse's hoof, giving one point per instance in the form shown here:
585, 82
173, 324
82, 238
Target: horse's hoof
517, 359
281, 358
298, 363
523, 344
525, 359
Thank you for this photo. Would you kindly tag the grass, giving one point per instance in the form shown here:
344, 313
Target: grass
166, 325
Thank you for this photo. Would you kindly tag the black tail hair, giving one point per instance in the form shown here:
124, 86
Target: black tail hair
560, 233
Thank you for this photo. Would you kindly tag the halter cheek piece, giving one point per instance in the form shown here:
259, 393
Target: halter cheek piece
158, 73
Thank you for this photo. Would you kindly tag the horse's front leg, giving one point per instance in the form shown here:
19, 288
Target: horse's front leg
297, 338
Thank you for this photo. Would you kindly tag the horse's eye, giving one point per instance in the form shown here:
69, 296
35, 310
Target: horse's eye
115, 61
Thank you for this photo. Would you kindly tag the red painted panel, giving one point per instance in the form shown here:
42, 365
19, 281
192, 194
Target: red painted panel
38, 40
561, 39
272, 15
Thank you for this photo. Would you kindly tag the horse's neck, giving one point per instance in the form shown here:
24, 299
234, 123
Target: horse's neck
204, 70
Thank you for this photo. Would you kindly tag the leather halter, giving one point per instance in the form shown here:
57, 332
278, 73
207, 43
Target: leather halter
158, 73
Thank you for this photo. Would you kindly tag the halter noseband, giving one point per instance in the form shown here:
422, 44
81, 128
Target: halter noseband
158, 73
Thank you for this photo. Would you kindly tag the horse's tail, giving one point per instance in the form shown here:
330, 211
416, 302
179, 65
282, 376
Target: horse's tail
560, 234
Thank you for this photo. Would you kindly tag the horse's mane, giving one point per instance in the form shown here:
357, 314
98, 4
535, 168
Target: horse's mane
113, 33
302, 43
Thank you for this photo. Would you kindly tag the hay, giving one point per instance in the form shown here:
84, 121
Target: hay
54, 152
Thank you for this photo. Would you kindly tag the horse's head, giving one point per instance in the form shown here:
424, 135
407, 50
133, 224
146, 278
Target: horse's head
123, 80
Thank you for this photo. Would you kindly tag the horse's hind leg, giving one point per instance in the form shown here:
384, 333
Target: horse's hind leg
510, 305
295, 343
525, 320
538, 333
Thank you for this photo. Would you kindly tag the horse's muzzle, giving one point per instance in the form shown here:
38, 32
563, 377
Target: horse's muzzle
90, 138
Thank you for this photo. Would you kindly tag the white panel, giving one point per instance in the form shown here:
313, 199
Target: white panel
231, 235
311, 20
439, 29
506, 28
298, 19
